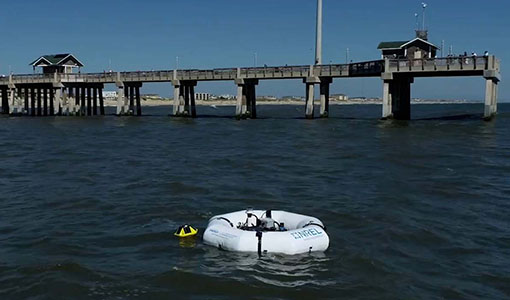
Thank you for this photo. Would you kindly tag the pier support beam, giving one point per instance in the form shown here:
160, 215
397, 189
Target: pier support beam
5, 100
77, 99
94, 101
101, 101
138, 101
120, 99
89, 101
32, 102
71, 102
131, 95
491, 94
310, 83
83, 104
184, 98
52, 104
246, 106
128, 99
387, 111
27, 93
310, 97
39, 96
324, 92
396, 97
61, 100
13, 105
45, 101
19, 99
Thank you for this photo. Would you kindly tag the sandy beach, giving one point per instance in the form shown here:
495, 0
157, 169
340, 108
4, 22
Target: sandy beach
167, 102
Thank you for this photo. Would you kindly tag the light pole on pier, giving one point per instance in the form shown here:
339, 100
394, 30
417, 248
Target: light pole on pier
318, 45
424, 5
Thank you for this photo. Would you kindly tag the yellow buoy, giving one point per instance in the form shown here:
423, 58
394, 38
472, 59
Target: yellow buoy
186, 231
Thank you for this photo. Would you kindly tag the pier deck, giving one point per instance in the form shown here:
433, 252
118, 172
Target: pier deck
76, 93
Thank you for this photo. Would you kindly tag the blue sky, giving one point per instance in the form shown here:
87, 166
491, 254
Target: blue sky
150, 34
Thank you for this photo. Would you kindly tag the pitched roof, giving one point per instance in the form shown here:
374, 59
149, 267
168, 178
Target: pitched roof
402, 44
391, 45
420, 40
56, 59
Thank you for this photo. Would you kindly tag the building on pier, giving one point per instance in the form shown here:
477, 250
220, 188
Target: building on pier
59, 63
417, 48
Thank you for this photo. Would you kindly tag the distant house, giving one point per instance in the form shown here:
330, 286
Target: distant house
339, 97
202, 96
59, 63
417, 48
110, 95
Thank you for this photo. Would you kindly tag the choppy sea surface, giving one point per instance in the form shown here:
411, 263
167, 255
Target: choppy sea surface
414, 210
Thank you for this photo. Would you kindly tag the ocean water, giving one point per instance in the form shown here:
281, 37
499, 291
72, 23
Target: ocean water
414, 210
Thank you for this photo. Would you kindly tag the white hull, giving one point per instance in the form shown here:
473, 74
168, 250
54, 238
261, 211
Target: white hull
304, 234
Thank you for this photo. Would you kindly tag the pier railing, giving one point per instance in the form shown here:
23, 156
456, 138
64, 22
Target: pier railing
462, 65
472, 63
366, 68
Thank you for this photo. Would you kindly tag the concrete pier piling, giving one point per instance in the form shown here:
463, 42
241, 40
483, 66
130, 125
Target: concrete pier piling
131, 100
491, 95
27, 93
32, 102
5, 100
251, 100
77, 98
101, 102
246, 105
83, 101
310, 99
184, 98
138, 100
128, 99
59, 99
324, 96
39, 101
193, 107
70, 101
52, 103
241, 99
94, 101
89, 101
397, 98
492, 78
45, 101
15, 107
120, 99
310, 83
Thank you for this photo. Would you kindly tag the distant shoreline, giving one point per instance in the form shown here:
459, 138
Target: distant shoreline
167, 102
